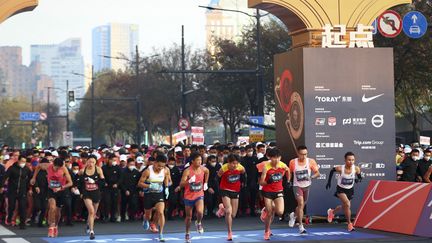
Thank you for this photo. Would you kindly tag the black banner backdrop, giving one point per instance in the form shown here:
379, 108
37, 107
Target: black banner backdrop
335, 101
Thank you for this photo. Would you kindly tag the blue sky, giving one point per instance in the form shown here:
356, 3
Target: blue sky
56, 20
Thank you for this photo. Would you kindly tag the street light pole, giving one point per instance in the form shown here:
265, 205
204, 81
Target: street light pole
48, 117
92, 107
183, 79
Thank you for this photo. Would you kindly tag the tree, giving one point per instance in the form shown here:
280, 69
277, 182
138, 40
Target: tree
413, 71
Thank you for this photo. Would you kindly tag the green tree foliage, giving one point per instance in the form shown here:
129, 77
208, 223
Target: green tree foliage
413, 70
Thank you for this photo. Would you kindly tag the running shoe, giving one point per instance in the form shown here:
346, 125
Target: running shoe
161, 238
55, 231
351, 227
199, 227
153, 228
302, 230
292, 219
146, 224
263, 214
92, 235
87, 229
221, 211
230, 237
267, 235
330, 215
187, 238
51, 232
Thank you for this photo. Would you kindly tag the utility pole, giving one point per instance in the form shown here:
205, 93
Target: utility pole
138, 96
183, 80
92, 107
33, 124
260, 80
48, 117
67, 105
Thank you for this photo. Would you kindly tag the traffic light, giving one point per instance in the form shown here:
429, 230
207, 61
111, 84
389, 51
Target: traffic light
71, 98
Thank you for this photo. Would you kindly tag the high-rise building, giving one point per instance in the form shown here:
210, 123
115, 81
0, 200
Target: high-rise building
224, 24
16, 80
60, 62
114, 40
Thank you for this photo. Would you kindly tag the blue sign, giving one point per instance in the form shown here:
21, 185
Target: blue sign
375, 26
256, 120
29, 116
414, 24
280, 235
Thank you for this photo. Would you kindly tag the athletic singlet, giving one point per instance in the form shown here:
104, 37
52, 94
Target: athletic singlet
91, 186
346, 181
155, 178
276, 174
195, 189
56, 179
302, 174
230, 179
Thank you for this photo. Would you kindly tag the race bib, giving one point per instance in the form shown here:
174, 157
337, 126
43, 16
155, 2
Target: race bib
91, 186
195, 186
233, 178
276, 177
54, 184
155, 188
347, 181
302, 175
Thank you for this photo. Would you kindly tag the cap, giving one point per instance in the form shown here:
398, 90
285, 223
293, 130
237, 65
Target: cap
140, 160
75, 154
127, 146
6, 157
177, 149
98, 156
55, 153
116, 148
407, 150
123, 157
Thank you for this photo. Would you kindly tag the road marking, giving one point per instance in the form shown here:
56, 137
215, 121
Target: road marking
15, 240
5, 232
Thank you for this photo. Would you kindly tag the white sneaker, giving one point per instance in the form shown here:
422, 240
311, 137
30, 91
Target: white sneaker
292, 219
118, 219
302, 230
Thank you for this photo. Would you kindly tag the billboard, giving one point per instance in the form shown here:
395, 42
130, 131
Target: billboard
335, 101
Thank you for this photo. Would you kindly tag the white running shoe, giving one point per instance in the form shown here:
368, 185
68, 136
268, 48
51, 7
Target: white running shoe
302, 230
292, 219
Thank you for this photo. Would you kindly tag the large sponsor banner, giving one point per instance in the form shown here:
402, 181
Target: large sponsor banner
348, 105
385, 203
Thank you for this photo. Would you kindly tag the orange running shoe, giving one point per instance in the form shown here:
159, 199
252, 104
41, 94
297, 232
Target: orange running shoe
267, 235
51, 232
350, 227
55, 232
153, 228
221, 211
330, 215
263, 214
230, 237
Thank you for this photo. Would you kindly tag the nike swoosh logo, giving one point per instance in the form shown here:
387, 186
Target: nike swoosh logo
366, 100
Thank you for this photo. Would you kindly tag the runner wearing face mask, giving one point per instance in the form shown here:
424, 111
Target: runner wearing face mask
251, 191
110, 194
212, 194
18, 176
409, 166
424, 165
174, 197
345, 187
129, 190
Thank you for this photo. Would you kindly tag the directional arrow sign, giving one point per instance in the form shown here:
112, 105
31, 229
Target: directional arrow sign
414, 24
430, 205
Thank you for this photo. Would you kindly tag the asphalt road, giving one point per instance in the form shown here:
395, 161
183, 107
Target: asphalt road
245, 230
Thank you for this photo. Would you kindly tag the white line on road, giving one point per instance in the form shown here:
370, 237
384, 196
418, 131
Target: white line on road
5, 232
15, 240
